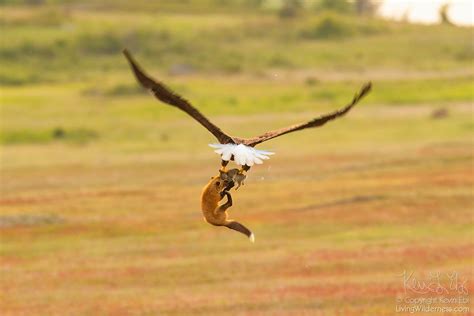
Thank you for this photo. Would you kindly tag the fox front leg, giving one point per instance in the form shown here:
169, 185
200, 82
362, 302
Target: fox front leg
227, 204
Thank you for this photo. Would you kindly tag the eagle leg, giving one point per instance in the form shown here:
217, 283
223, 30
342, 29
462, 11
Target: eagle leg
244, 168
224, 164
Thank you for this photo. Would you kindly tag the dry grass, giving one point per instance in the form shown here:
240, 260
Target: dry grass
335, 228
100, 185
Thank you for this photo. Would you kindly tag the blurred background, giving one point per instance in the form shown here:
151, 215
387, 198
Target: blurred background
100, 183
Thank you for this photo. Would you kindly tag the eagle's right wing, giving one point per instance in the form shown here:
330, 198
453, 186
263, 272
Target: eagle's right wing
165, 95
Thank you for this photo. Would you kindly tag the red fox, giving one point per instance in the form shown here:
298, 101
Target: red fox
216, 214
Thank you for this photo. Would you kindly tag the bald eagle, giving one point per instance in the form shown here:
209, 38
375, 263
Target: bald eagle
241, 150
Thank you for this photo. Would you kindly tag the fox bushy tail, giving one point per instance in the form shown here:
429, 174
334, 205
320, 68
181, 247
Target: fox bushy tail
241, 229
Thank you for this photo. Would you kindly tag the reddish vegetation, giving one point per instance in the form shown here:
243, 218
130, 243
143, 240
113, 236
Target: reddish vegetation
336, 244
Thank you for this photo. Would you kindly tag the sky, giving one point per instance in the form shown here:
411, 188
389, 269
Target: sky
426, 11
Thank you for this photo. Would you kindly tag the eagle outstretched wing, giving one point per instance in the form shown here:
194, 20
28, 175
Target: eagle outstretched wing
164, 94
318, 121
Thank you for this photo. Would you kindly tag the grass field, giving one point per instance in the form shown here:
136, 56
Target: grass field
100, 184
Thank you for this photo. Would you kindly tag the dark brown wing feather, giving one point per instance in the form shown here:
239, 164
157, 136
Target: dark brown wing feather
313, 123
165, 95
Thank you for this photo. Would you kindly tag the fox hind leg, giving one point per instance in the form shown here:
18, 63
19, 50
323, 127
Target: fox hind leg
227, 204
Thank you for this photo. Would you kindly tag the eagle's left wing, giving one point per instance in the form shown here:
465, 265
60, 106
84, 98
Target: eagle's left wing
313, 123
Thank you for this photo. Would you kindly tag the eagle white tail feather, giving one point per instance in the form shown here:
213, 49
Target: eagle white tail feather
243, 155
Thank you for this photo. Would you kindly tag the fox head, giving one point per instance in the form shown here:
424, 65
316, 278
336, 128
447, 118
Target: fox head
221, 182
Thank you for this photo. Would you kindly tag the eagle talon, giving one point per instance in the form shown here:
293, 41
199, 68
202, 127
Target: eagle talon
243, 169
224, 164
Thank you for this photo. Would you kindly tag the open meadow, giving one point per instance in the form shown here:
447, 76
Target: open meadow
100, 183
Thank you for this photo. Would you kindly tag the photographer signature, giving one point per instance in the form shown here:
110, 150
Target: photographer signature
435, 283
